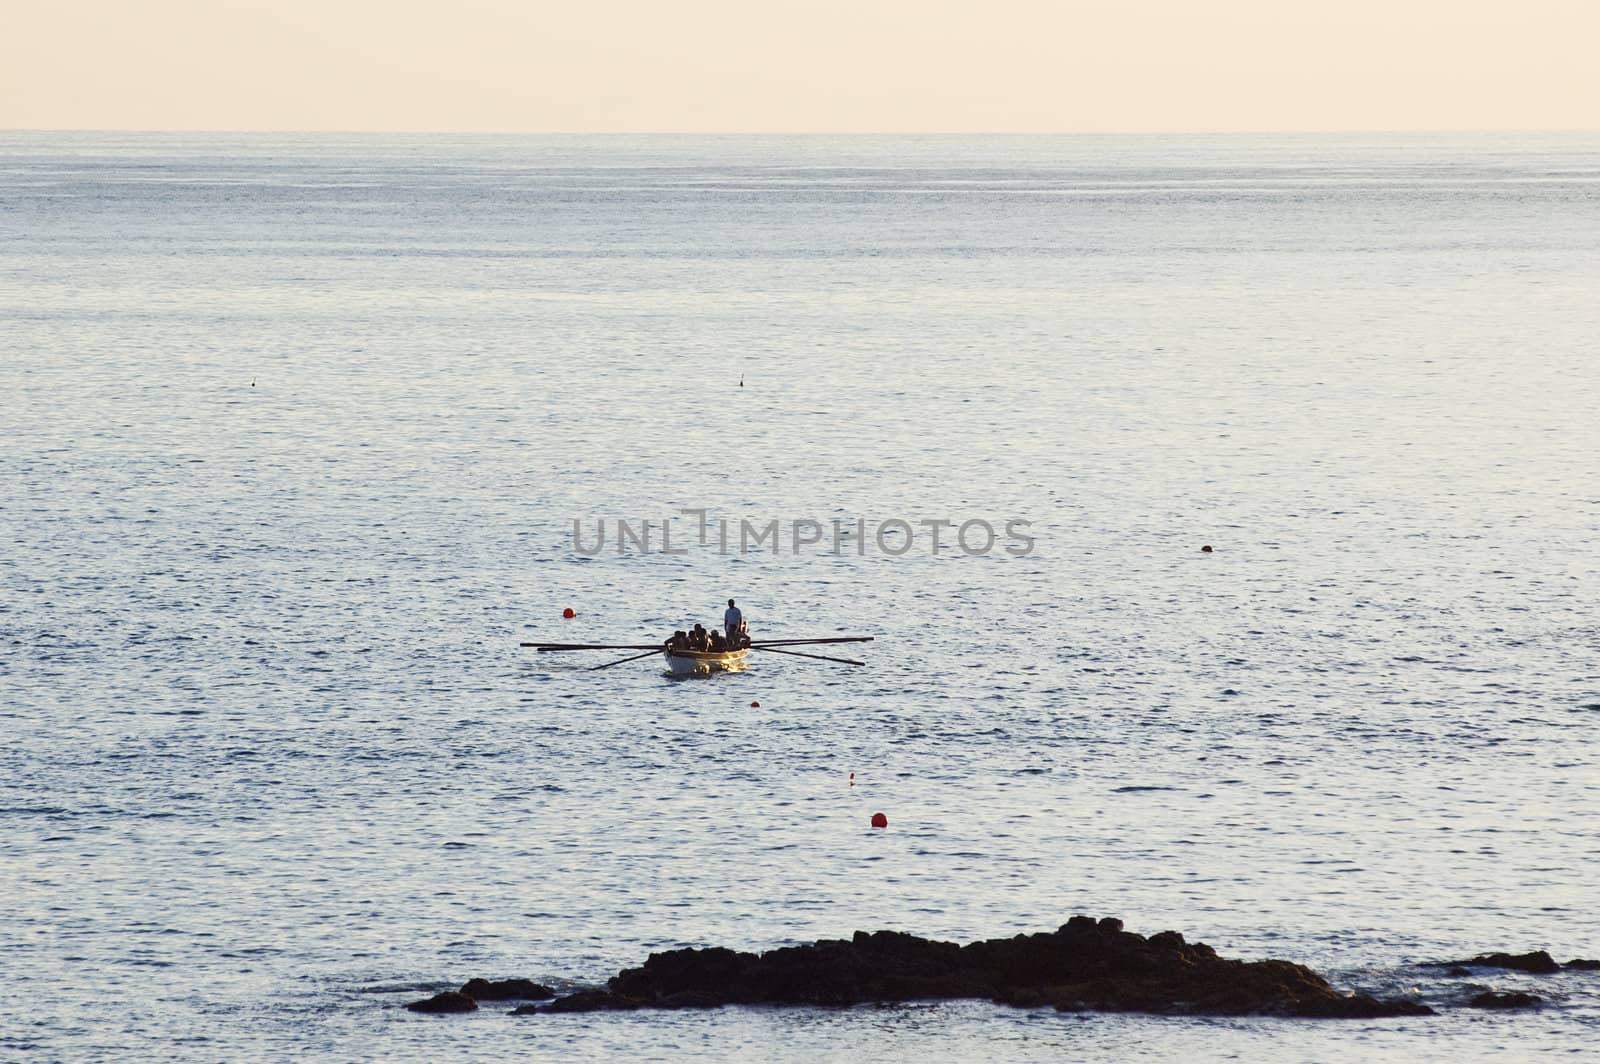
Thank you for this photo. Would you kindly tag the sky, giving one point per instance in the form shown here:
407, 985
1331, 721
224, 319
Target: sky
784, 66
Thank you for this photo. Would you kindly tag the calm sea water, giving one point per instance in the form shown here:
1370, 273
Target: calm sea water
295, 430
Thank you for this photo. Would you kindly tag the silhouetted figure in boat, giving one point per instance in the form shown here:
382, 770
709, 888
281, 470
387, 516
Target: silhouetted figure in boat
733, 624
718, 644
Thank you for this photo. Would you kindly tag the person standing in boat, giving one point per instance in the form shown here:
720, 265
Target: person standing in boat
733, 624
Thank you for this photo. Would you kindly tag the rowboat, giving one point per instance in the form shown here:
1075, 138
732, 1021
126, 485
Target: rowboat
704, 662
708, 662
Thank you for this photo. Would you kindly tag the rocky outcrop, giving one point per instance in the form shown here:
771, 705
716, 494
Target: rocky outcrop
506, 990
449, 1001
585, 1001
466, 999
1516, 1000
1084, 965
1538, 962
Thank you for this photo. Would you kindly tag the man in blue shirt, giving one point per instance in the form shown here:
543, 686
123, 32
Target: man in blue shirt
733, 624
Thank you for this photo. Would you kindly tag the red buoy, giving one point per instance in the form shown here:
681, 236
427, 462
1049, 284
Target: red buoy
569, 613
755, 705
879, 820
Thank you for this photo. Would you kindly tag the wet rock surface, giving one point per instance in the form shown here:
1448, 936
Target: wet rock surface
1084, 965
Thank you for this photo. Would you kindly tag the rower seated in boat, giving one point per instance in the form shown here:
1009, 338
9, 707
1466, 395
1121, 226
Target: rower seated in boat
716, 642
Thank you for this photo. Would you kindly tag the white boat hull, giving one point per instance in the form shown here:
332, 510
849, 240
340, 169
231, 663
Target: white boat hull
704, 662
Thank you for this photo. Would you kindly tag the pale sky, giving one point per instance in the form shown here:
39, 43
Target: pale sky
800, 65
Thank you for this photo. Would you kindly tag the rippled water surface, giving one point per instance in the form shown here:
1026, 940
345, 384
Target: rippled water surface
295, 430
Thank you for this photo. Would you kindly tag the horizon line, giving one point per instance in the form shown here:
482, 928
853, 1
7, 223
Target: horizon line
286, 131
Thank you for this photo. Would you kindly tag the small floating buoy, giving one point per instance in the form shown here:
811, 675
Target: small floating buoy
755, 705
879, 820
569, 613
852, 779
1206, 549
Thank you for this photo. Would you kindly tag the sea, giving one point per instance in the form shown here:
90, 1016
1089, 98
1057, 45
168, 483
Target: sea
301, 436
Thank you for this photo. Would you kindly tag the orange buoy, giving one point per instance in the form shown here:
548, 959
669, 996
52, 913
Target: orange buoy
1206, 549
570, 613
879, 820
755, 705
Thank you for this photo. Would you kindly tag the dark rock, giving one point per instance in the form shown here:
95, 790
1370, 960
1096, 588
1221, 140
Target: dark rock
506, 990
449, 1001
1362, 1007
1518, 1000
584, 1001
690, 999
1580, 965
1084, 965
1538, 962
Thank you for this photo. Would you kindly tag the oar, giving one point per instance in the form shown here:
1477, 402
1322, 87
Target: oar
801, 642
592, 646
647, 646
636, 657
797, 654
